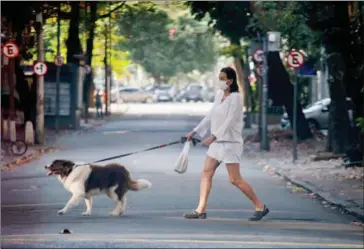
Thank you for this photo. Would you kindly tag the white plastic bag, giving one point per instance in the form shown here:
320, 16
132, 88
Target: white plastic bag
182, 161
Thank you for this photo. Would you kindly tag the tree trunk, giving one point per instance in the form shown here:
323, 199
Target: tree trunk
354, 77
89, 49
281, 92
339, 119
238, 64
334, 38
73, 42
239, 67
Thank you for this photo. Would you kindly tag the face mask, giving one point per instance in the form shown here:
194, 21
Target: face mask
222, 85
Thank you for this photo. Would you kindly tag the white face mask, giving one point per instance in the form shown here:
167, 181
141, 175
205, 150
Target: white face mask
222, 85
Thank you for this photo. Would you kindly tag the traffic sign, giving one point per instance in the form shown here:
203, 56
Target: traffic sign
10, 50
259, 70
59, 60
40, 68
258, 55
87, 69
295, 59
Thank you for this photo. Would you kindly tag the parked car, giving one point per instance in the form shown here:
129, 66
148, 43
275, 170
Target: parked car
317, 114
132, 94
193, 92
165, 93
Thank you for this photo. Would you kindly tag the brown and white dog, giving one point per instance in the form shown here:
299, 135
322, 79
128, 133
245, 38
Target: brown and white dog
86, 180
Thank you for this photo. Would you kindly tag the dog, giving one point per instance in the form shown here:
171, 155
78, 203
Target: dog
86, 180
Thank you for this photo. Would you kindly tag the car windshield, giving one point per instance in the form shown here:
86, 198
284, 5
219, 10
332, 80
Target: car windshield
164, 87
195, 88
321, 102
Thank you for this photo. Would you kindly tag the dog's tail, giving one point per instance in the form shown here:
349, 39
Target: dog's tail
139, 184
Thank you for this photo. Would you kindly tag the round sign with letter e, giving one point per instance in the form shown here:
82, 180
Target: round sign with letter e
295, 59
258, 55
10, 50
40, 68
59, 60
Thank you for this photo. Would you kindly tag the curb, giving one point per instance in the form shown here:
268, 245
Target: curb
27, 158
39, 151
340, 204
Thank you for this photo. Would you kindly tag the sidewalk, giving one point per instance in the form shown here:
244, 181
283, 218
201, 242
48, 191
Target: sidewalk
329, 181
51, 137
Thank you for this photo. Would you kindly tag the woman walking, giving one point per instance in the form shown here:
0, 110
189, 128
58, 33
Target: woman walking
225, 121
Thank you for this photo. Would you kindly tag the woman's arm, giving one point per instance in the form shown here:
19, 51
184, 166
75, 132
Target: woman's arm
234, 110
202, 128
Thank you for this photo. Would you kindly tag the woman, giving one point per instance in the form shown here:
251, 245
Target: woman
225, 121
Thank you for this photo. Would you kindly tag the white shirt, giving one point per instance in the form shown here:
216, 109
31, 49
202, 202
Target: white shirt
225, 119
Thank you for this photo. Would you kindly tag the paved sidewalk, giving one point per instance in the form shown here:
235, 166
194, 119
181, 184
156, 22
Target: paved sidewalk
337, 186
51, 137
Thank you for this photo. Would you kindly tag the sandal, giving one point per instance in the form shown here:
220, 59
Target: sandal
195, 215
258, 215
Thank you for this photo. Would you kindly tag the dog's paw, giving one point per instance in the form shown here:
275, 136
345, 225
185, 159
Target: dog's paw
114, 214
86, 213
61, 212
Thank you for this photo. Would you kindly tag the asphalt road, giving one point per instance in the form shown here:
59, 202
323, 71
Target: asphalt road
30, 199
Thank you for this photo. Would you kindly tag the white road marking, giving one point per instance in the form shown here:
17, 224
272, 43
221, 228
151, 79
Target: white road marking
115, 132
154, 211
93, 238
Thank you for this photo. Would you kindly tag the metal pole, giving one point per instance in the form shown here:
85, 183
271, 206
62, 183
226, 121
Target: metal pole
40, 85
294, 140
265, 142
11, 82
58, 75
247, 92
106, 71
109, 63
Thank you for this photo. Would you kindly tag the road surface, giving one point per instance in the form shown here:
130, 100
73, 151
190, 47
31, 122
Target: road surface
154, 217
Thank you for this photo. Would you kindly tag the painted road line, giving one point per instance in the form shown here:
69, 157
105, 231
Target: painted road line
22, 205
184, 236
282, 224
183, 241
115, 132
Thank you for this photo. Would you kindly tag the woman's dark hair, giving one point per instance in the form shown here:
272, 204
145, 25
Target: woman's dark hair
231, 75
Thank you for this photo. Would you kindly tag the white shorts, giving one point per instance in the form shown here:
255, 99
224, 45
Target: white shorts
226, 152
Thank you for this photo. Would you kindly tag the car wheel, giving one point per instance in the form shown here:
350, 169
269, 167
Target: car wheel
313, 124
149, 100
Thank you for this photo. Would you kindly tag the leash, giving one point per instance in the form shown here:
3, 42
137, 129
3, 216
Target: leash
182, 140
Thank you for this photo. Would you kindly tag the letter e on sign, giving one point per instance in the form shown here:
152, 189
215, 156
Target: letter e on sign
295, 59
10, 50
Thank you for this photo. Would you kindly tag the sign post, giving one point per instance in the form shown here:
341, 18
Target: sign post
295, 60
265, 142
59, 62
10, 50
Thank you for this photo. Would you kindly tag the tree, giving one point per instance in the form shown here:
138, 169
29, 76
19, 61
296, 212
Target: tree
344, 58
232, 19
146, 31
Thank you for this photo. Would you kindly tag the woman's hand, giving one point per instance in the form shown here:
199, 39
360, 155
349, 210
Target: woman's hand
209, 140
190, 135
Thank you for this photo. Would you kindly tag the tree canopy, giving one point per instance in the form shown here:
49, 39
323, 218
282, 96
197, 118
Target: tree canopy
146, 29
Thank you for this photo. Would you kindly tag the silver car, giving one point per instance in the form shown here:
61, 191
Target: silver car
317, 114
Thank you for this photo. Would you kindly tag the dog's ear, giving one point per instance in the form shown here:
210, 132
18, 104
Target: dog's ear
68, 164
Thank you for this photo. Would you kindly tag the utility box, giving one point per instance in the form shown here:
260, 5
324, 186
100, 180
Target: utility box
274, 41
70, 85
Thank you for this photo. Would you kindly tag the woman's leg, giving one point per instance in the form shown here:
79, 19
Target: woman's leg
236, 179
205, 187
206, 182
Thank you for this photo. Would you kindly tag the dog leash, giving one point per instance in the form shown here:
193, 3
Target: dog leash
182, 140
